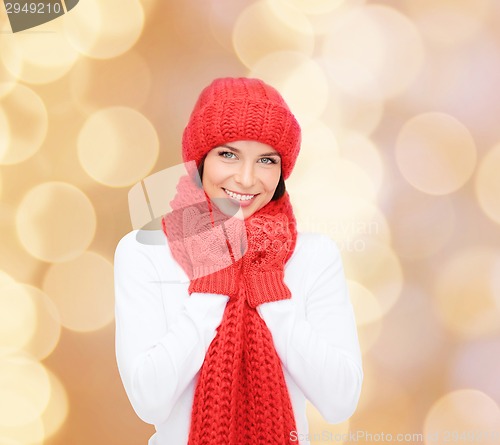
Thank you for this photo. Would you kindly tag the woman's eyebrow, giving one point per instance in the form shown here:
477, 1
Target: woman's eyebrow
237, 150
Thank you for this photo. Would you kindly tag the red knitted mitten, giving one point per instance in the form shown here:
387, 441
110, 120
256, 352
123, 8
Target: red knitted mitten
214, 249
269, 240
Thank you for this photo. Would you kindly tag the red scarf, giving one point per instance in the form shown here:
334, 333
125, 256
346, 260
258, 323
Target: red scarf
241, 397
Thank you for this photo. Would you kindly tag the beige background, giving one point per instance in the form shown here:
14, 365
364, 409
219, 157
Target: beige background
399, 103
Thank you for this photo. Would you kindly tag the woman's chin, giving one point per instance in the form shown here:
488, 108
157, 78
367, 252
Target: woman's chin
230, 208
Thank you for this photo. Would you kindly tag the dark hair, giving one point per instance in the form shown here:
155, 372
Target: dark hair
278, 193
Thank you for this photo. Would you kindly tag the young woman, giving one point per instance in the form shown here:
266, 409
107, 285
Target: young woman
231, 320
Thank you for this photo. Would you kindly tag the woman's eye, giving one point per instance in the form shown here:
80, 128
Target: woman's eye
268, 160
226, 154
231, 155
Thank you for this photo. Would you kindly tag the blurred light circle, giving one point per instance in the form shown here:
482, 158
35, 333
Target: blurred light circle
330, 178
55, 221
259, 32
366, 306
82, 289
403, 334
17, 316
104, 30
300, 80
15, 258
465, 372
354, 50
375, 266
149, 6
289, 14
31, 433
360, 114
346, 219
334, 196
57, 409
94, 82
351, 113
435, 153
466, 413
389, 398
6, 87
422, 224
452, 86
322, 22
10, 72
118, 146
4, 134
495, 279
449, 21
22, 109
5, 279
24, 390
368, 334
42, 60
47, 324
223, 16
4, 22
487, 184
463, 293
358, 48
318, 141
362, 151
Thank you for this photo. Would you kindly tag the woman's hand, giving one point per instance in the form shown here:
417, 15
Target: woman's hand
212, 241
214, 244
269, 242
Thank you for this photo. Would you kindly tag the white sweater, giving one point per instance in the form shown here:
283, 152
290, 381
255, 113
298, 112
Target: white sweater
162, 333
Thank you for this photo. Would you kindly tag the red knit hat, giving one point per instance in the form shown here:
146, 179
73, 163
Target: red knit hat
232, 109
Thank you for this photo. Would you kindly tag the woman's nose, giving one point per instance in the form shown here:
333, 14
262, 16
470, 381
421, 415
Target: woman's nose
245, 175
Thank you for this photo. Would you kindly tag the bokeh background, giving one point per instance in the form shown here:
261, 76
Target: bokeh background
400, 164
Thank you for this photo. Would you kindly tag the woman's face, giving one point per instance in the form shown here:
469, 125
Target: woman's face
241, 174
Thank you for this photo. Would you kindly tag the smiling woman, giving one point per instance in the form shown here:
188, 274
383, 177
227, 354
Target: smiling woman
246, 171
228, 318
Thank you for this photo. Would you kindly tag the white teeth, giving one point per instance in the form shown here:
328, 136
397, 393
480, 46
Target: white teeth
238, 196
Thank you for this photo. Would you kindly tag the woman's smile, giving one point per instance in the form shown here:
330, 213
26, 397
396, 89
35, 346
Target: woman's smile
242, 199
243, 174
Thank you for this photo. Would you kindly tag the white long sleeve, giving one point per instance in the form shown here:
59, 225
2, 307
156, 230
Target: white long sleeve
162, 333
157, 361
316, 338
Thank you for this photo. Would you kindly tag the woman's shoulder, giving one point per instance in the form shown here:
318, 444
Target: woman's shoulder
141, 240
149, 249
140, 246
314, 254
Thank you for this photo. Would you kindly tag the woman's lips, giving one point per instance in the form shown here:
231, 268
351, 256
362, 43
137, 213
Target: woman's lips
242, 203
